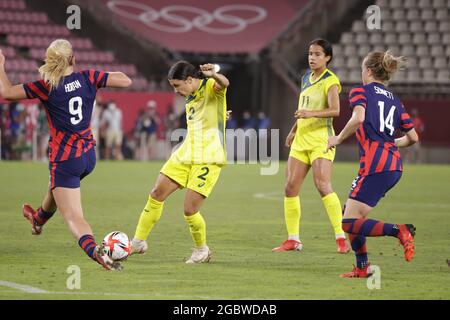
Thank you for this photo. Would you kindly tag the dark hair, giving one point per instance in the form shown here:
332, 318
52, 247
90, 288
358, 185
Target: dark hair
326, 46
182, 70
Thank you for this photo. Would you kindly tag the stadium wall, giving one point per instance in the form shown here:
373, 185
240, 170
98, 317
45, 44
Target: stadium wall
151, 60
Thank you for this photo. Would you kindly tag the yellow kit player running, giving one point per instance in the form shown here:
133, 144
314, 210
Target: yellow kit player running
318, 104
197, 163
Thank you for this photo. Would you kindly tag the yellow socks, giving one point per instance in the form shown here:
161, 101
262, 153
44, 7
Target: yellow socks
197, 227
149, 216
292, 215
334, 211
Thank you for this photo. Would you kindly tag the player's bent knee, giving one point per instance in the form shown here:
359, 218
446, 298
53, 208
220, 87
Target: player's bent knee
190, 210
324, 187
157, 194
291, 189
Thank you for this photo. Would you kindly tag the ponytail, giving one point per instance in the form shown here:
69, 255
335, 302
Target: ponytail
384, 65
58, 58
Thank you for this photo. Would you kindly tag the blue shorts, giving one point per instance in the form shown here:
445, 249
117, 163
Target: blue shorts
370, 189
69, 173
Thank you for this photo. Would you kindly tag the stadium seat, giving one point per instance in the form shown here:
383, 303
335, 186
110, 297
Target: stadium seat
444, 26
388, 26
408, 50
362, 38
398, 14
429, 75
359, 26
353, 62
412, 61
396, 4
419, 38
414, 76
405, 39
428, 14
363, 50
422, 50
390, 39
442, 14
402, 26
446, 39
431, 26
438, 4
437, 50
354, 76
400, 77
434, 38
350, 50
425, 63
416, 26
339, 61
410, 4
337, 50
413, 14
425, 4
376, 38
443, 76
441, 63
347, 38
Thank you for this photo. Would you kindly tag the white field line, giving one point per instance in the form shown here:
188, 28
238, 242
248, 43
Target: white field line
21, 287
29, 289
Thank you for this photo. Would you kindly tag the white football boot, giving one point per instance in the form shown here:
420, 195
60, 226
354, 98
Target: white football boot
199, 255
138, 246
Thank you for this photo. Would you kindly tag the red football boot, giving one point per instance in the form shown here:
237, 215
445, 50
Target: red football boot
357, 273
289, 245
406, 235
342, 246
29, 214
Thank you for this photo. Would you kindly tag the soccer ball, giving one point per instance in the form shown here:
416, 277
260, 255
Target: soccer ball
117, 245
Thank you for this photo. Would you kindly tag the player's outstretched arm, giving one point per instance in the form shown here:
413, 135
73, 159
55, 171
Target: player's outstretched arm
410, 138
118, 80
209, 71
357, 119
7, 90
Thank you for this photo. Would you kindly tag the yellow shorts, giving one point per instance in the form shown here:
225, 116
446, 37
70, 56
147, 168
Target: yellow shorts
200, 178
308, 156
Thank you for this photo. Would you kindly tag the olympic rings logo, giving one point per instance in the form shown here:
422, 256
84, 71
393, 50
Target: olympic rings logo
176, 23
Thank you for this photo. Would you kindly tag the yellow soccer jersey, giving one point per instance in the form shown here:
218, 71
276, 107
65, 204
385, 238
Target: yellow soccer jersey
313, 133
206, 121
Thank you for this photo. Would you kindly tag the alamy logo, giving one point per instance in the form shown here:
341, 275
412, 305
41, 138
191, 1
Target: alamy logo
74, 20
74, 280
374, 281
373, 18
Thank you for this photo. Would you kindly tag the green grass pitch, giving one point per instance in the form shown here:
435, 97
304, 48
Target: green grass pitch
244, 217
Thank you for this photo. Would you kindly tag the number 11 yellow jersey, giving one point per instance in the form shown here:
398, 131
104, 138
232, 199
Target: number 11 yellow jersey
313, 133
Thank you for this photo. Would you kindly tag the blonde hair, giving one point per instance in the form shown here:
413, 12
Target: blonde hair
383, 64
57, 59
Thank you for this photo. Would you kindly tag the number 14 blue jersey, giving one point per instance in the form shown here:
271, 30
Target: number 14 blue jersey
385, 114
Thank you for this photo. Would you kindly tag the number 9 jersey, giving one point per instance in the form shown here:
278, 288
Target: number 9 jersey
385, 114
69, 110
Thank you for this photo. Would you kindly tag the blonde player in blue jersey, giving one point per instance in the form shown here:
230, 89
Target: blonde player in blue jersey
197, 163
308, 138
